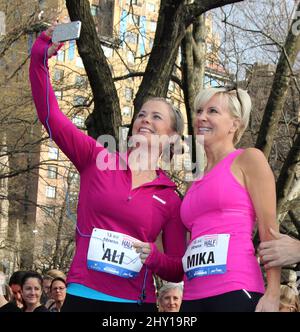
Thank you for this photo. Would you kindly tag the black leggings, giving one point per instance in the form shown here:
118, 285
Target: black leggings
80, 304
236, 301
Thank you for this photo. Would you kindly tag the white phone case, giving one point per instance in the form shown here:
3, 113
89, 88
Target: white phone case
66, 31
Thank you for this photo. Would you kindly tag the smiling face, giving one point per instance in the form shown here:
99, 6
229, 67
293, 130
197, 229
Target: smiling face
154, 118
154, 121
32, 292
214, 121
170, 301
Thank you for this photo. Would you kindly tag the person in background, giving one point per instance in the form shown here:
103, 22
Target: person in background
15, 285
15, 303
47, 279
170, 297
289, 298
58, 294
31, 288
5, 294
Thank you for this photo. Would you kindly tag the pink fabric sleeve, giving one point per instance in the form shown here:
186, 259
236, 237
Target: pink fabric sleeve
76, 145
168, 265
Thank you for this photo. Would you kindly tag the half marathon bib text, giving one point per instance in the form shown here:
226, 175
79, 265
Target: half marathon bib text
206, 255
112, 252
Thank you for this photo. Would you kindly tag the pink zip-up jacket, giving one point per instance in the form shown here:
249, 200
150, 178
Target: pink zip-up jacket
106, 200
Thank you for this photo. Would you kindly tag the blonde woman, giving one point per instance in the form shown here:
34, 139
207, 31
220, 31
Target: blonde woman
221, 209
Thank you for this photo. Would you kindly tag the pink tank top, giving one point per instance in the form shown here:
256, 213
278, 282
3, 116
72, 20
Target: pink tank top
219, 204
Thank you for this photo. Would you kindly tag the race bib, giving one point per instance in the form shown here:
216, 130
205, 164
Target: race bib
206, 255
112, 252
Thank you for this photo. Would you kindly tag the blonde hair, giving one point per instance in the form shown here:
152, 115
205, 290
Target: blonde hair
176, 115
239, 105
289, 297
54, 273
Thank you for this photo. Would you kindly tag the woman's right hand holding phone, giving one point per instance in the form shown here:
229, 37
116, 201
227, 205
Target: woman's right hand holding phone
54, 46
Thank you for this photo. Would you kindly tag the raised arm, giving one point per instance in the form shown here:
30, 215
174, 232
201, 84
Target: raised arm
78, 147
260, 184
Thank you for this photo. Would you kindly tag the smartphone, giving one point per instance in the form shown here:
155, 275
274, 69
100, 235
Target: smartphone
66, 31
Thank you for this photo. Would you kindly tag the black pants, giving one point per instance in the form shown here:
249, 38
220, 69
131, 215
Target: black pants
80, 304
236, 301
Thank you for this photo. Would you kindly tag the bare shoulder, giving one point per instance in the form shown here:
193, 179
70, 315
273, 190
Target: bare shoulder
253, 160
252, 156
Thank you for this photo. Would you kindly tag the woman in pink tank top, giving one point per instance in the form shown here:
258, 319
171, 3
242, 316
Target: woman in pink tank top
221, 209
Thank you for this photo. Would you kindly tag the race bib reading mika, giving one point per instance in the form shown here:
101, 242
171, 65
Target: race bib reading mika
112, 252
206, 255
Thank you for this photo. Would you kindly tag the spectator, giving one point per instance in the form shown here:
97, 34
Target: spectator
58, 294
47, 279
15, 286
31, 287
14, 302
170, 297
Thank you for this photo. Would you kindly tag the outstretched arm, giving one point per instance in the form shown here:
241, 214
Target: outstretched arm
75, 144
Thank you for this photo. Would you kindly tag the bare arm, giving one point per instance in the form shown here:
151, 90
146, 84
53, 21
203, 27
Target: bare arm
260, 184
76, 145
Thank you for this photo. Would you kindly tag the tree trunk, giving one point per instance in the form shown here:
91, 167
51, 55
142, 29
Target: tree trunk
22, 190
174, 18
169, 33
279, 91
106, 116
56, 255
193, 51
288, 178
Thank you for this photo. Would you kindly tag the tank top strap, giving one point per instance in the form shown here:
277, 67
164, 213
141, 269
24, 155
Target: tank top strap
231, 157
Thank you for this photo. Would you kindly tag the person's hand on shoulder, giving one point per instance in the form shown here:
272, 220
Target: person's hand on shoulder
281, 251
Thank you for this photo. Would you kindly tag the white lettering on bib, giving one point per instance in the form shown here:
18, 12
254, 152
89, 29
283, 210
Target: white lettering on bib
206, 255
112, 252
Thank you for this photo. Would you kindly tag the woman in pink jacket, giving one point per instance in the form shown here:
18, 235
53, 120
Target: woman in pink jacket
121, 210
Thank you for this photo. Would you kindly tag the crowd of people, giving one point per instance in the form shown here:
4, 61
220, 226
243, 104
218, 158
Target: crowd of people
29, 291
116, 254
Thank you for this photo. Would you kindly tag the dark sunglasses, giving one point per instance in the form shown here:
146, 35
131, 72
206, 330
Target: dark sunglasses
229, 88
